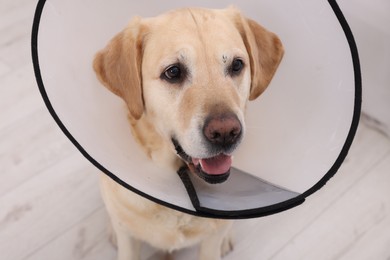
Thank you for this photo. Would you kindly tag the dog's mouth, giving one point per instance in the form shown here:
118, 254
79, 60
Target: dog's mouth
213, 170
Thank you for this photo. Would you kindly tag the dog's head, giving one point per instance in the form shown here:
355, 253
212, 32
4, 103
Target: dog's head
191, 72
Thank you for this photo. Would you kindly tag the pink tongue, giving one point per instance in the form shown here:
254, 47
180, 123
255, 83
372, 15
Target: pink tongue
219, 164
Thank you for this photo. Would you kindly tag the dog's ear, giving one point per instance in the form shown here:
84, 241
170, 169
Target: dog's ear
118, 66
265, 51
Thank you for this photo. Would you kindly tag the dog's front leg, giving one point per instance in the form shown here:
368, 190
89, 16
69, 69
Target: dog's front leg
218, 245
129, 248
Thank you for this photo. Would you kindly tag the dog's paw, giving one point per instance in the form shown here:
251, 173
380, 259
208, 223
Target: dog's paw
112, 236
227, 246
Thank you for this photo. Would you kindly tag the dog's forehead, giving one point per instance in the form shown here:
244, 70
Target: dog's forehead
192, 18
192, 35
194, 25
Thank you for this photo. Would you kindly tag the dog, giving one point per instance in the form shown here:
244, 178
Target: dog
185, 77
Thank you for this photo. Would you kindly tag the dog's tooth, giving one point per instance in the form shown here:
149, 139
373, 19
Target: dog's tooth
201, 164
196, 161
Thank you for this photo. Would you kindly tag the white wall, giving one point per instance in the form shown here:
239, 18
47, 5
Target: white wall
370, 24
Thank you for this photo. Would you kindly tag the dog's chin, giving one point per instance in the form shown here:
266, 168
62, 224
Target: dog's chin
212, 170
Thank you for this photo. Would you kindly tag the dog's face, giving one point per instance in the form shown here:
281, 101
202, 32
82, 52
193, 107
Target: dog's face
190, 72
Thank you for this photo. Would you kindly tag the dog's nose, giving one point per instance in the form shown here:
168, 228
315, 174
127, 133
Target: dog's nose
222, 130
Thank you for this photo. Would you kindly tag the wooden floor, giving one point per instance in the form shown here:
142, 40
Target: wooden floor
50, 207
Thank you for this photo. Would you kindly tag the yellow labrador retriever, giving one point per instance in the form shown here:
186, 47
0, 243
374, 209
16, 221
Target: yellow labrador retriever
186, 77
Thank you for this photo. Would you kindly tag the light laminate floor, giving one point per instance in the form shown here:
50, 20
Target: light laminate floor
50, 207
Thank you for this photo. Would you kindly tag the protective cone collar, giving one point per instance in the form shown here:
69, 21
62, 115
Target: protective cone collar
298, 132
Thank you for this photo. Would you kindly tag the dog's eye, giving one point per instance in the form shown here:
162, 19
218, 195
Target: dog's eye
173, 74
236, 67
